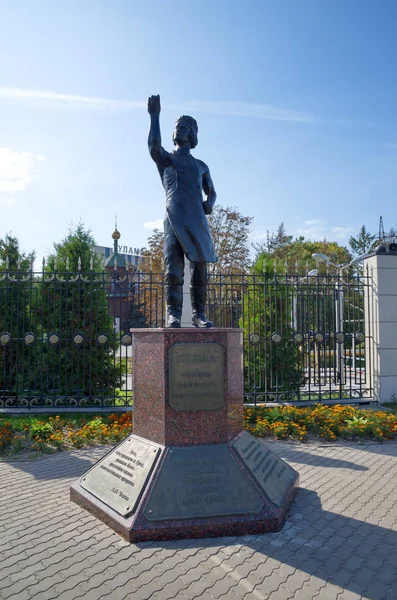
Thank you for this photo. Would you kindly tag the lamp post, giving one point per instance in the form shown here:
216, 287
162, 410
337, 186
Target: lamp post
339, 320
323, 258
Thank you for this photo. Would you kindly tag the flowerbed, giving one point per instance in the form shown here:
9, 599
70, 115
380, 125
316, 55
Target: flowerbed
326, 422
34, 435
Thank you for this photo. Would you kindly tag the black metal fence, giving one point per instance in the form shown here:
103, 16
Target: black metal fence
65, 337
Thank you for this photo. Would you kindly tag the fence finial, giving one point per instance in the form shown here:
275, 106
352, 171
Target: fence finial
92, 262
79, 263
7, 263
43, 262
67, 263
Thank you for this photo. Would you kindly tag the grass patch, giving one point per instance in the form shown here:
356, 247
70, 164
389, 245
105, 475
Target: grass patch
392, 406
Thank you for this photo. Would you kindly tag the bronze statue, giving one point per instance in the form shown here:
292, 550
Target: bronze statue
186, 231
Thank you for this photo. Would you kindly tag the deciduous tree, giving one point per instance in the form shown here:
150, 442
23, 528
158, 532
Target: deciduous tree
230, 232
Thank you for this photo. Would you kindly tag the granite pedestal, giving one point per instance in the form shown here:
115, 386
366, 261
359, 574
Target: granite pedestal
189, 469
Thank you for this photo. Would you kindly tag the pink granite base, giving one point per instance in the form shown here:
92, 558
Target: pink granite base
179, 431
136, 528
154, 418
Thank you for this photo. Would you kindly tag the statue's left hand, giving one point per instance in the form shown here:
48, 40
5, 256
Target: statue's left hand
207, 207
153, 105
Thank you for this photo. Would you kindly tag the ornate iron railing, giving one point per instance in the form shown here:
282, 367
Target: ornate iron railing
65, 336
304, 337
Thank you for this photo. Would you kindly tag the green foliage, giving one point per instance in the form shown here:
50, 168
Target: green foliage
283, 254
42, 431
47, 434
327, 422
272, 367
77, 246
15, 299
75, 304
230, 232
364, 242
153, 254
11, 255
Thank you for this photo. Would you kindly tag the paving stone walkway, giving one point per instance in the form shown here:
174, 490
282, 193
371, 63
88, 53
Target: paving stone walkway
339, 541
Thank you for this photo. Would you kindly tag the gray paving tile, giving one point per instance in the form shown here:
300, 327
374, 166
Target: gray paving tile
339, 541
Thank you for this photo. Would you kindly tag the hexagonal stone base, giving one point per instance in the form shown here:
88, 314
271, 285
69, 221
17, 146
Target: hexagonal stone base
146, 491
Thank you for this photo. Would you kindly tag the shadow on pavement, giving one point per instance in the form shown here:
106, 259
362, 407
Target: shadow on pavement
62, 465
355, 555
349, 553
306, 458
387, 448
293, 450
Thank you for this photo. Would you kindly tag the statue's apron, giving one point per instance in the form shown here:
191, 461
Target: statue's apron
182, 182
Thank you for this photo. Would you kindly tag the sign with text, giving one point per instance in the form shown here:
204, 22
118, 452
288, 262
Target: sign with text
196, 376
273, 474
119, 478
201, 481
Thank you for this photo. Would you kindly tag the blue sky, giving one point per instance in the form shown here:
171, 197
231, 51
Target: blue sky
295, 101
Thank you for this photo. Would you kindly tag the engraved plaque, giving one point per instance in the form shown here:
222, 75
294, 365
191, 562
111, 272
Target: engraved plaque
196, 376
273, 474
201, 481
119, 478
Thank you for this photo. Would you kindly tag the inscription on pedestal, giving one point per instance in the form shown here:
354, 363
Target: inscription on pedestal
119, 478
201, 481
273, 474
196, 376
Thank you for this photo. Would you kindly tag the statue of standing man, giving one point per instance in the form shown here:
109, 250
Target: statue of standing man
186, 231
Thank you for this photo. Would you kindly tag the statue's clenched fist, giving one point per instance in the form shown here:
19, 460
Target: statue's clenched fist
153, 105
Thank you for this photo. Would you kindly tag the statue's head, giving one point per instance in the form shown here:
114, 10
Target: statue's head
186, 130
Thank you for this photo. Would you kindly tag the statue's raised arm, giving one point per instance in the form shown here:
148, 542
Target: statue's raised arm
157, 152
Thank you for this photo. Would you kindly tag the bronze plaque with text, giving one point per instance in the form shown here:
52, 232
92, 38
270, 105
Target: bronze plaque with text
273, 474
201, 481
119, 478
196, 376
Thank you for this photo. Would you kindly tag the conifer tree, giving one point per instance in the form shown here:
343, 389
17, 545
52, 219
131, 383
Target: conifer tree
79, 360
16, 296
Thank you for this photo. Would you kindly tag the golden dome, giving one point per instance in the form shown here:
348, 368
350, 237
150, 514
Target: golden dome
116, 234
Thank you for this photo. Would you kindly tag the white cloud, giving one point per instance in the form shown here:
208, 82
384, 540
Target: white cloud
315, 222
68, 99
16, 171
247, 109
342, 233
257, 235
236, 109
154, 224
315, 229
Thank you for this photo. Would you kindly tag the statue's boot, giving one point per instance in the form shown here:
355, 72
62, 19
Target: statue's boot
174, 298
198, 298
